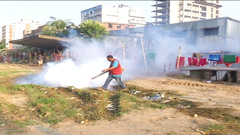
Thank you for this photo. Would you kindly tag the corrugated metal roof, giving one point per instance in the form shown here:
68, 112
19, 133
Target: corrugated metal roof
42, 41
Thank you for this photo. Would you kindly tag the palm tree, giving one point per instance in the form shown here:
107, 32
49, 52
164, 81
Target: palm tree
59, 28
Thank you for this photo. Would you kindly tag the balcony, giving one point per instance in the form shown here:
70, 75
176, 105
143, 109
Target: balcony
208, 4
161, 16
163, 10
166, 21
162, 4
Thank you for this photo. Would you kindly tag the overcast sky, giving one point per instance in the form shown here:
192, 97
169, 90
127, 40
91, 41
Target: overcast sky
14, 11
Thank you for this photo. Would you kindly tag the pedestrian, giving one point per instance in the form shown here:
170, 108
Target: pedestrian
40, 60
115, 72
35, 58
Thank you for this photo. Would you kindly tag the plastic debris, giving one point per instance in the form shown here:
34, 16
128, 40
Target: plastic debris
42, 89
110, 107
133, 92
156, 97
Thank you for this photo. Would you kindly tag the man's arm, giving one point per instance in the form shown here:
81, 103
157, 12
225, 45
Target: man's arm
111, 68
115, 64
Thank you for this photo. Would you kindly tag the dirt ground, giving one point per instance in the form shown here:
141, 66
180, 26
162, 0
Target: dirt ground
169, 121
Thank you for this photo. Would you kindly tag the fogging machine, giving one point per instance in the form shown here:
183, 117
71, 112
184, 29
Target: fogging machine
99, 75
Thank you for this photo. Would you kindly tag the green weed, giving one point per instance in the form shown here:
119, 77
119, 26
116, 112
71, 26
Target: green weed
3, 89
214, 128
71, 112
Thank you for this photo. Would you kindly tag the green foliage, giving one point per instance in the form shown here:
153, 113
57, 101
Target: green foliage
215, 127
58, 28
93, 29
2, 44
71, 112
3, 89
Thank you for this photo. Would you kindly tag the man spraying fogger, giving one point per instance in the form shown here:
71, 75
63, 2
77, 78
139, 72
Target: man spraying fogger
115, 72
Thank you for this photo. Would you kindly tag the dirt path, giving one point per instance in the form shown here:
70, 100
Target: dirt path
210, 94
148, 121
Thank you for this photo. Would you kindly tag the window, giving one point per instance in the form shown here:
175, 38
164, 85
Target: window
211, 9
204, 8
109, 25
181, 6
203, 14
119, 26
211, 31
211, 15
126, 27
195, 13
216, 11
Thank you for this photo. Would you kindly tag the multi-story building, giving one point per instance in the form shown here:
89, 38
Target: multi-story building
120, 14
7, 35
17, 31
175, 11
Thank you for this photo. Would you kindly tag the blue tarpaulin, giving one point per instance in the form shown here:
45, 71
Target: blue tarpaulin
214, 57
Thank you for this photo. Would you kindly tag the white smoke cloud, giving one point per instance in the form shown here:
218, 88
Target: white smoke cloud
91, 61
166, 47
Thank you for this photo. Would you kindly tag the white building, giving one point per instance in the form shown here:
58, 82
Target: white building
17, 31
175, 11
6, 30
115, 14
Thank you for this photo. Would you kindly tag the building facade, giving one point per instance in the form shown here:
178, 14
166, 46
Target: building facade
213, 33
7, 35
120, 14
171, 11
17, 31
117, 26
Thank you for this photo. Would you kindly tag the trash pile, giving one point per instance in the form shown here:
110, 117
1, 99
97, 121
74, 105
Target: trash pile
157, 96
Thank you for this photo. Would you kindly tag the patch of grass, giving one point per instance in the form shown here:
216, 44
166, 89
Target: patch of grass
71, 112
13, 108
130, 102
46, 100
17, 87
230, 123
54, 119
8, 73
115, 99
215, 127
3, 89
15, 130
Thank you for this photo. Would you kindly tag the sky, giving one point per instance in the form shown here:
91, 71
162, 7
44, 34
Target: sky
14, 11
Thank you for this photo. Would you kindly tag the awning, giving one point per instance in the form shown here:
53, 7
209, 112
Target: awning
42, 41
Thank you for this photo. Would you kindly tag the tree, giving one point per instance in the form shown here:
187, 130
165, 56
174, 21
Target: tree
93, 29
2, 44
58, 28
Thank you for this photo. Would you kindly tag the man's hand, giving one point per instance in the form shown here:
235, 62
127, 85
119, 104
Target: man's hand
105, 70
111, 68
